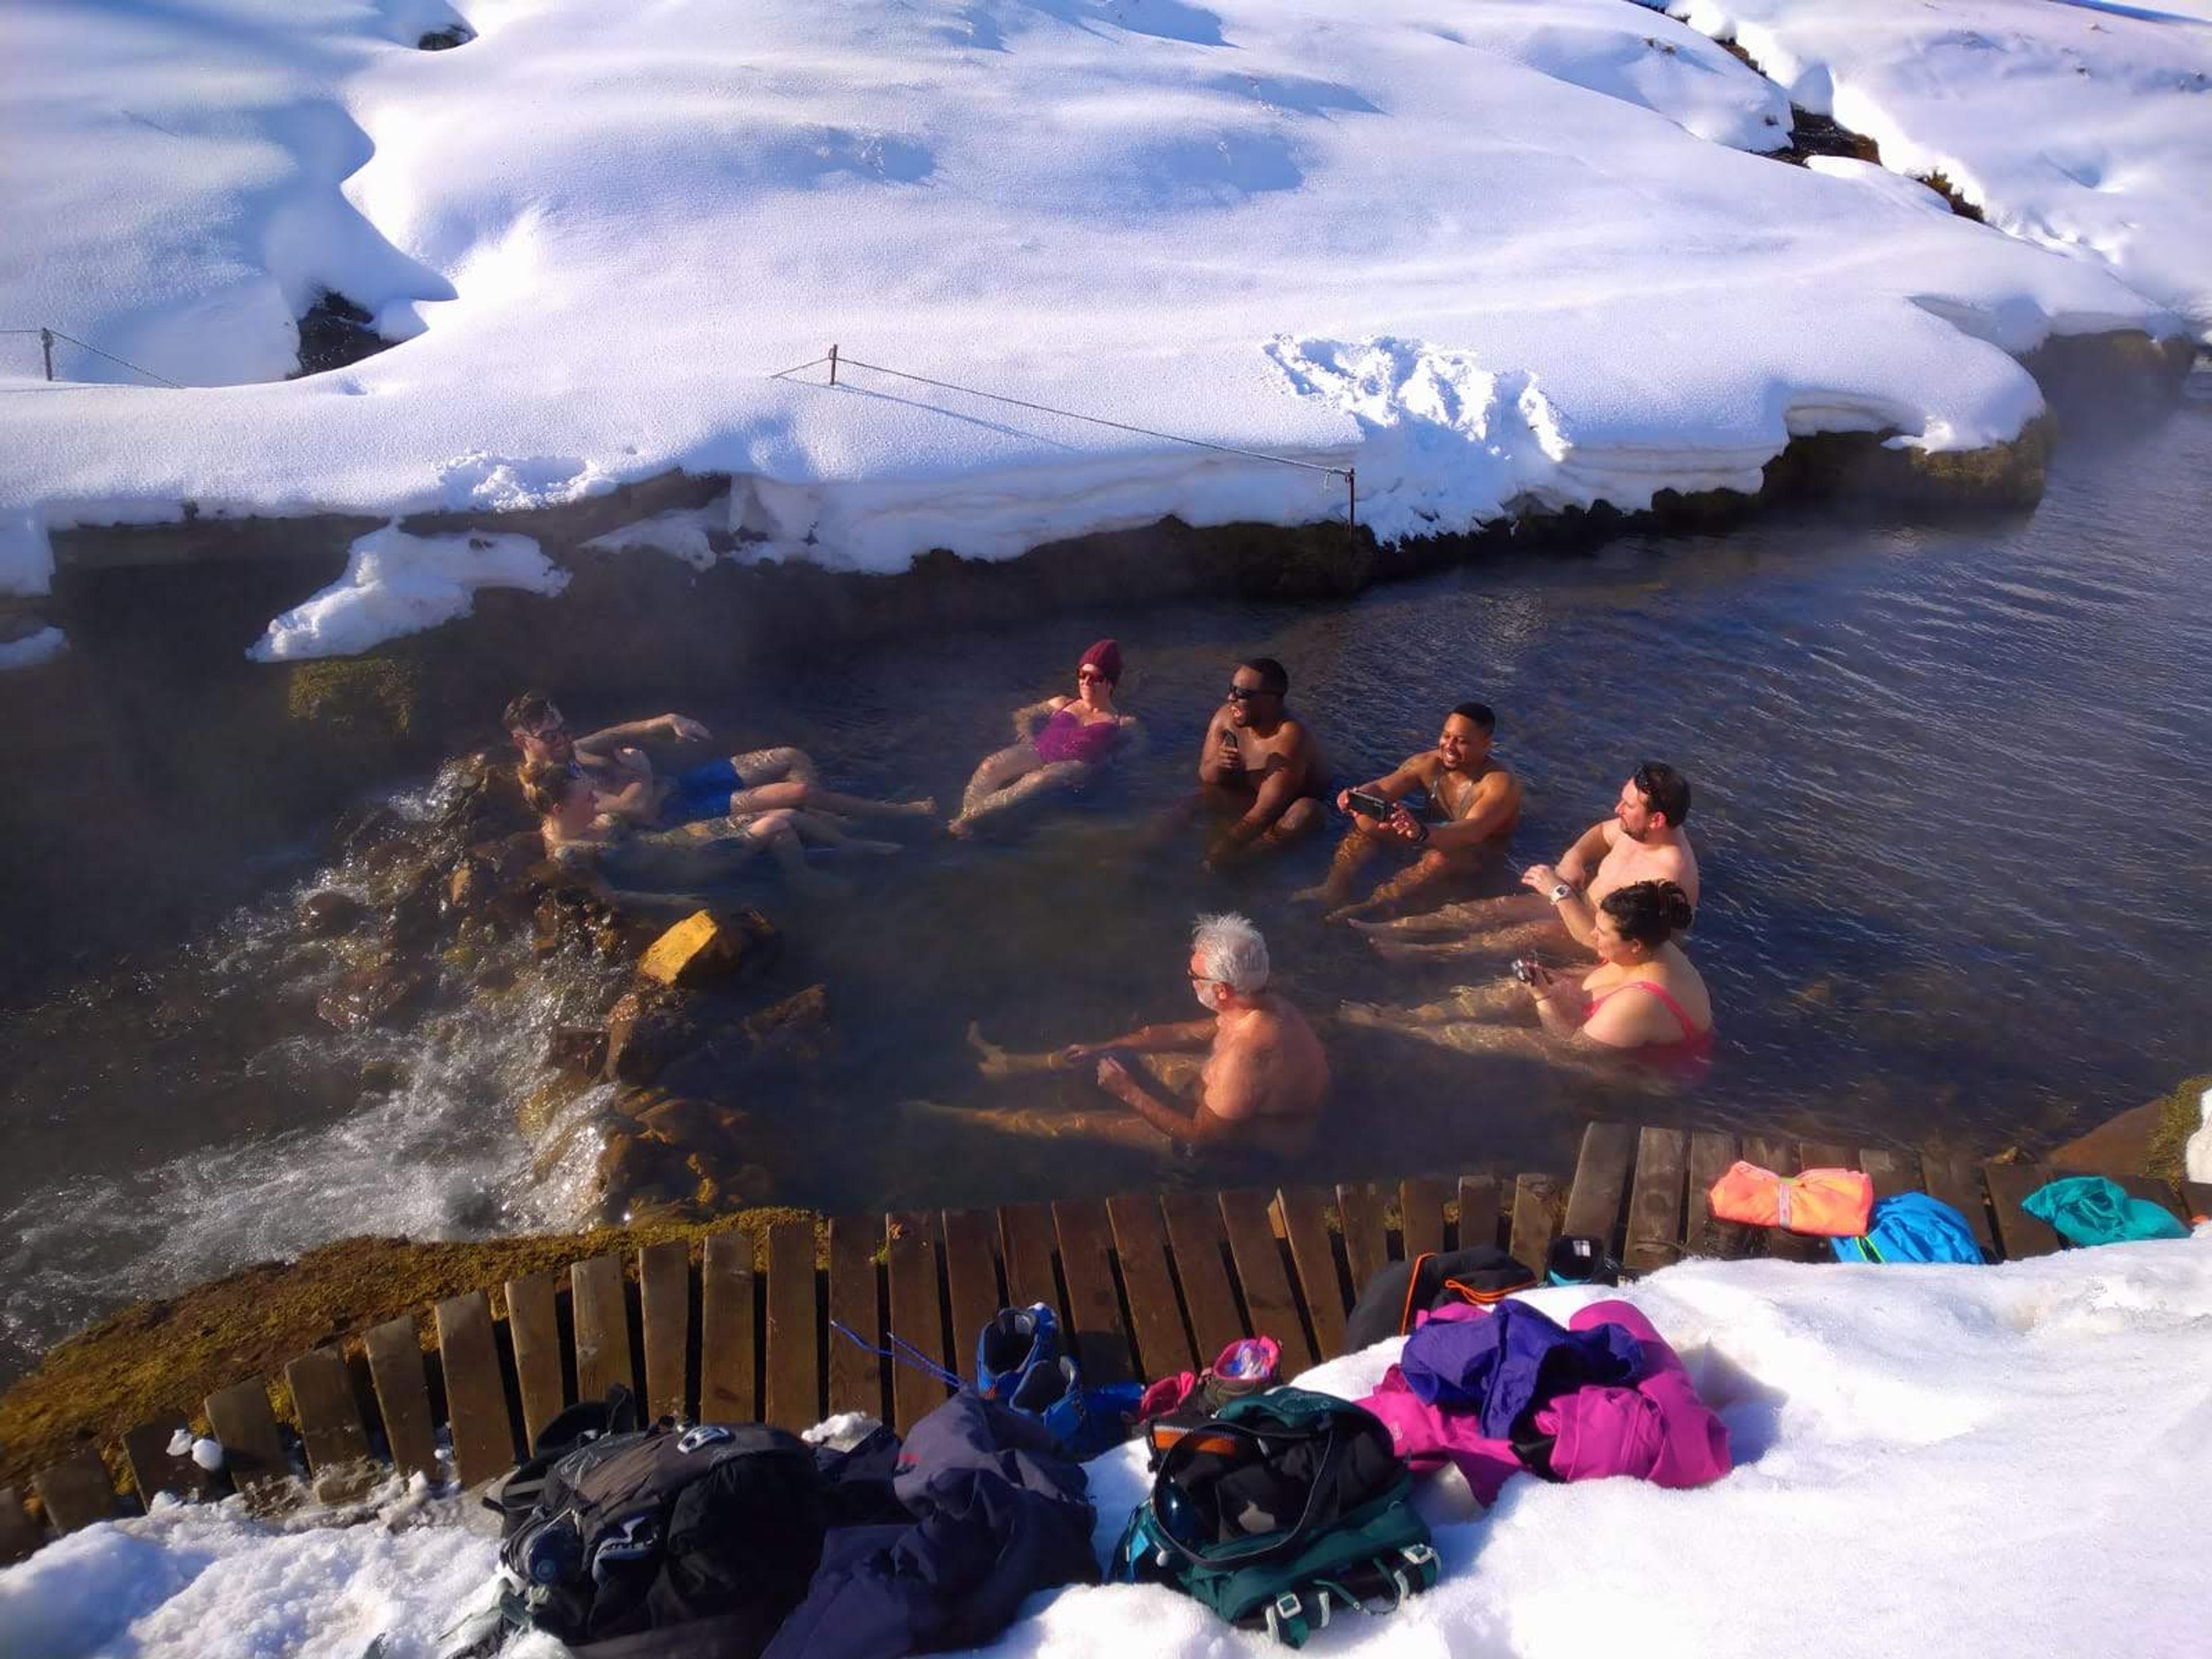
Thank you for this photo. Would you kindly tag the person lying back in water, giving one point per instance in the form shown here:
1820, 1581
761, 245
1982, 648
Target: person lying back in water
1080, 734
1261, 1083
599, 844
1644, 1001
617, 768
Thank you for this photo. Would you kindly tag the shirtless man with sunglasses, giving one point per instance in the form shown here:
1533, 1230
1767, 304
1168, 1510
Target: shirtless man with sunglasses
1259, 767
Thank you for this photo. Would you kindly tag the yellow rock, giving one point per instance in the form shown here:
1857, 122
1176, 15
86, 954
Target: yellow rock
696, 948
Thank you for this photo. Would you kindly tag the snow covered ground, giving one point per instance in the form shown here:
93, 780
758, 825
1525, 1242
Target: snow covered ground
2083, 126
1492, 254
1962, 1462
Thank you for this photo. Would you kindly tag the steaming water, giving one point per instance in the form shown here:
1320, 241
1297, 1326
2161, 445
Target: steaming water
1951, 787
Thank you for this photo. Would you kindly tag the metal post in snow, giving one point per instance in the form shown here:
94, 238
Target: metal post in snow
1351, 497
833, 365
46, 345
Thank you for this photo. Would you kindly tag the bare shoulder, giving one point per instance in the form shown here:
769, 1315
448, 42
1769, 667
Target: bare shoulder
1057, 704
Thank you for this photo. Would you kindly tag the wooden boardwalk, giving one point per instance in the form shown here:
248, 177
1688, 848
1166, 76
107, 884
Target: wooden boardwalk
1148, 1285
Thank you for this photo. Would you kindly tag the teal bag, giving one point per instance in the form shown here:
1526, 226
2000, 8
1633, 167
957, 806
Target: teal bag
1285, 1507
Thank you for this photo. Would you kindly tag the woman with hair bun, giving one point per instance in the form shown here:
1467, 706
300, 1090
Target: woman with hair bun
1079, 734
1644, 995
1643, 999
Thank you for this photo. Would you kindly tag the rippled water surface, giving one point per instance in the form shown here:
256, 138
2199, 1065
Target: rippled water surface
1951, 794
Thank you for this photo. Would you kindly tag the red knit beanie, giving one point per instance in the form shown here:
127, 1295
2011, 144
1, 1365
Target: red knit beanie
1106, 658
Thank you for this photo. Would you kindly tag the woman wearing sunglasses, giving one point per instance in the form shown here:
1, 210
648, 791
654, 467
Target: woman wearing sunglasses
1079, 734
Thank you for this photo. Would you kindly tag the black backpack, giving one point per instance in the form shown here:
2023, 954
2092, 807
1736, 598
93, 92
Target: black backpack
1482, 1273
676, 1540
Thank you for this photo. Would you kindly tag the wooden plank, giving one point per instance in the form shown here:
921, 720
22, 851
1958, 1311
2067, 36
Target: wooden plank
664, 1304
1892, 1172
1780, 1155
1957, 1179
917, 1315
2020, 1233
971, 1280
476, 1394
1194, 1240
19, 1534
726, 1347
1421, 1215
153, 1471
1366, 1246
601, 1310
534, 1326
1824, 1155
793, 1394
1094, 1306
1273, 1309
856, 1376
252, 1449
1536, 1204
1711, 1155
1477, 1210
76, 1492
329, 1416
403, 1396
1601, 1185
1305, 1228
1655, 1200
1025, 1246
1156, 1322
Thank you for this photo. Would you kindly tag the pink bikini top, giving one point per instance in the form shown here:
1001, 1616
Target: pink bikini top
1695, 1044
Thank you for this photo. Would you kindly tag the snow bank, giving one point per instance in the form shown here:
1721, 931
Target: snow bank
1964, 1462
397, 584
1517, 251
2083, 127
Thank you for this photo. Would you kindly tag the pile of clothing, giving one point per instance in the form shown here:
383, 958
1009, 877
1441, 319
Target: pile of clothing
741, 1542
1497, 1391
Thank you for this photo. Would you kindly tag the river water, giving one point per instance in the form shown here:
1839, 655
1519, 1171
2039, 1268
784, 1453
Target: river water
1951, 792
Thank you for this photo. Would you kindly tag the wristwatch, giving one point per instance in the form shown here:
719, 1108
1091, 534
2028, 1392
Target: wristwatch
1563, 890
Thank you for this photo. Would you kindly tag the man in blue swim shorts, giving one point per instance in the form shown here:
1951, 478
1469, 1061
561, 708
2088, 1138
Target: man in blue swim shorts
621, 775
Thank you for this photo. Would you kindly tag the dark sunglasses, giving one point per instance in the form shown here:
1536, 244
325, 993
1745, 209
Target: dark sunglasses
1092, 674
1247, 693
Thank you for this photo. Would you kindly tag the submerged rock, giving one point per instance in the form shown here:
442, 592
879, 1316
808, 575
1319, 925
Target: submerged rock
371, 995
647, 1031
327, 914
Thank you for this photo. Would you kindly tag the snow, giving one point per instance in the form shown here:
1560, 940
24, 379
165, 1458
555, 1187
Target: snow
397, 584
2082, 126
1962, 1461
1517, 253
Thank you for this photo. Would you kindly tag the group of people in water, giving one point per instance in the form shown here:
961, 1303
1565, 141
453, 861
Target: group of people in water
1252, 1071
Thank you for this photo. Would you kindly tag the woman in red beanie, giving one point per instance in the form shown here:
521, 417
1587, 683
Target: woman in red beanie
1079, 733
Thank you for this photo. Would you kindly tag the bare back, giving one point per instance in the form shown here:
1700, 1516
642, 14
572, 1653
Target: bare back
1628, 861
1267, 1075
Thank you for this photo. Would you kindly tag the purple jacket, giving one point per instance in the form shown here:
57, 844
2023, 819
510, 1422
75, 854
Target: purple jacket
1655, 1428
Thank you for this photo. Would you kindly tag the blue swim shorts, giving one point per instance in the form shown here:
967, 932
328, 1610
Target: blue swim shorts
703, 792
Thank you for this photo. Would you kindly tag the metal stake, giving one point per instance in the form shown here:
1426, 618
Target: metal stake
46, 343
1351, 497
833, 365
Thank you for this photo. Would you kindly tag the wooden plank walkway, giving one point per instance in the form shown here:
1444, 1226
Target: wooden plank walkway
1146, 1285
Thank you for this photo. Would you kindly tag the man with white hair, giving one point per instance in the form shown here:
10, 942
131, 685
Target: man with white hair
1264, 1076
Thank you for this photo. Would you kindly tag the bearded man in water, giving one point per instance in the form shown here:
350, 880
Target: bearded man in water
1261, 1083
1642, 841
1474, 804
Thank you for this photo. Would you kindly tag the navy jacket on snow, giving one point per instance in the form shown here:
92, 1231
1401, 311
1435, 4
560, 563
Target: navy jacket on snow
998, 1515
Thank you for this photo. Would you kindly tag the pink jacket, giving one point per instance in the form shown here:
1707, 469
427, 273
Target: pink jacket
1656, 1430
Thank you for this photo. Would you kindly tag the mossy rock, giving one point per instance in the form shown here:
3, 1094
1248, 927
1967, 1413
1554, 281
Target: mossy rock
356, 700
2179, 1115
